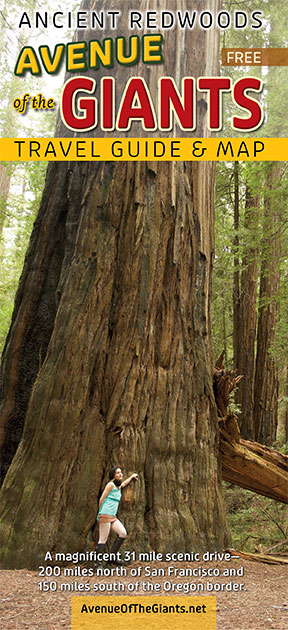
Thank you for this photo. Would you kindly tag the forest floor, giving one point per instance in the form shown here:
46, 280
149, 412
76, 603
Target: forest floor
261, 605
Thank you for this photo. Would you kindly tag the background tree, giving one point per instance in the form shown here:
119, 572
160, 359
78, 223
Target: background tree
246, 331
254, 231
266, 371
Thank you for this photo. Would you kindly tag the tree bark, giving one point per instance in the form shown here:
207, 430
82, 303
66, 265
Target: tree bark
127, 376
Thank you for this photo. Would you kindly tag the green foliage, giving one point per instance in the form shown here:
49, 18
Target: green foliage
20, 211
274, 97
280, 445
254, 520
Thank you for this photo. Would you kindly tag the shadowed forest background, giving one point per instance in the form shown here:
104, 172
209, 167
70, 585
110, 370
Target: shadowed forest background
249, 302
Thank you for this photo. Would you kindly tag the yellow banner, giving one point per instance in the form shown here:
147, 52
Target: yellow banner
128, 613
143, 149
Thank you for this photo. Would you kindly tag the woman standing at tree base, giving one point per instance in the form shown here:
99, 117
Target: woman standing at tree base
108, 507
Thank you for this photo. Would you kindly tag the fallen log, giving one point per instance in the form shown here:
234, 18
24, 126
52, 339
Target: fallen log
245, 463
259, 557
252, 465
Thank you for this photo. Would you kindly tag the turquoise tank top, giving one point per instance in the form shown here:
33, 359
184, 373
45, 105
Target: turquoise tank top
111, 503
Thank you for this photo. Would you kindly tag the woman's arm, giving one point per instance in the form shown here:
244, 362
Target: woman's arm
125, 483
105, 492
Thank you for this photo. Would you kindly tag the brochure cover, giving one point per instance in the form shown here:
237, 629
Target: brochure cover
144, 315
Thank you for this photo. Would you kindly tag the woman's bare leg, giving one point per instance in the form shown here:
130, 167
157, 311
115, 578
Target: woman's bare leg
119, 529
104, 531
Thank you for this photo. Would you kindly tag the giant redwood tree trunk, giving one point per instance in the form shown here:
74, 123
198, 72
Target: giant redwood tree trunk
127, 375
